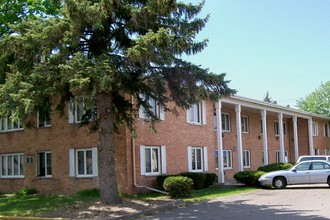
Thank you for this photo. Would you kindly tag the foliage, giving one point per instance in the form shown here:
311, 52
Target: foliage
91, 193
160, 181
178, 186
26, 191
274, 167
318, 101
210, 179
110, 52
248, 177
198, 179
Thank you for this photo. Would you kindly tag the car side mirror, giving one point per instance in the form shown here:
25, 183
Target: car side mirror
294, 170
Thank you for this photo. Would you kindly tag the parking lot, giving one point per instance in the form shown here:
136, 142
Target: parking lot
295, 202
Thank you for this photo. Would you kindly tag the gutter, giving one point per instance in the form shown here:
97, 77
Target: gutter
134, 172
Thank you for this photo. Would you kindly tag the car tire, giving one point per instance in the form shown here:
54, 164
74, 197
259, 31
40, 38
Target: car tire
279, 182
328, 181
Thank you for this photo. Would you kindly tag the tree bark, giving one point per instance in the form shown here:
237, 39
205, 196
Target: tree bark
106, 149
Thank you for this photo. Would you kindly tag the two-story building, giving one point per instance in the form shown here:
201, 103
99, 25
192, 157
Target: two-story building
53, 154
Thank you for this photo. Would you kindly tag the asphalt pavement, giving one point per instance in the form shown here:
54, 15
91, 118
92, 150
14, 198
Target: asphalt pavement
295, 202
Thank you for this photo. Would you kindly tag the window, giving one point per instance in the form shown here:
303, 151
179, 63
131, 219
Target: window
227, 159
246, 158
277, 128
245, 124
8, 124
76, 109
326, 129
303, 166
316, 151
44, 166
153, 160
43, 116
197, 113
83, 162
320, 166
261, 127
286, 157
197, 159
327, 151
12, 165
155, 109
225, 118
315, 129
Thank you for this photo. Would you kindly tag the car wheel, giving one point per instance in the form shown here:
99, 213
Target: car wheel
328, 181
279, 182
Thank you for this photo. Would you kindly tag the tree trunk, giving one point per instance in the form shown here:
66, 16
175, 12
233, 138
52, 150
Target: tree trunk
106, 148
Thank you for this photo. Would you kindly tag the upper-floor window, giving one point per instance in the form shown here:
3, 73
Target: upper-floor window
155, 109
9, 124
76, 109
196, 114
245, 124
326, 129
225, 122
153, 160
12, 165
315, 131
44, 117
277, 128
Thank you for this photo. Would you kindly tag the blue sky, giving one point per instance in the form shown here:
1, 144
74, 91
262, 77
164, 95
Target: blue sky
280, 46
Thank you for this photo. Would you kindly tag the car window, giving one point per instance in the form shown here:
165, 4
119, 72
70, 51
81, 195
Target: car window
303, 166
319, 166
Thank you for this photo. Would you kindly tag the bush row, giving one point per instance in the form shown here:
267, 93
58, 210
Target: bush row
200, 180
250, 178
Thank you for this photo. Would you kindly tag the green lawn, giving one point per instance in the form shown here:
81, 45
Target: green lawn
35, 205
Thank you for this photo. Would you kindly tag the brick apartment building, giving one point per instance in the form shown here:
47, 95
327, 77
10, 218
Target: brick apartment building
59, 156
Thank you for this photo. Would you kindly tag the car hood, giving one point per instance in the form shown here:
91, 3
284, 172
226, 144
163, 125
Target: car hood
275, 173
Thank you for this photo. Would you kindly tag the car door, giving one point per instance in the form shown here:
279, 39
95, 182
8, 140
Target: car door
319, 172
299, 174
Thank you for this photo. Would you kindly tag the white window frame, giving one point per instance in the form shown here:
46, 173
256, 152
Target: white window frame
315, 131
327, 151
155, 108
76, 109
245, 124
227, 159
196, 114
193, 159
4, 165
225, 122
160, 160
277, 128
246, 159
286, 156
7, 124
74, 163
46, 163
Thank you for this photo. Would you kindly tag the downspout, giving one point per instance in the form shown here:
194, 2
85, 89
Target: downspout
134, 172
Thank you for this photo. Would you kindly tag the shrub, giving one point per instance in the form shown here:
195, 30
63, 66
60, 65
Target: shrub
179, 186
210, 179
26, 191
249, 178
274, 167
160, 181
198, 179
91, 193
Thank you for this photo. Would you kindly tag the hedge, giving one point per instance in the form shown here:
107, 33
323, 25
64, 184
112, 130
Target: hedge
249, 178
275, 167
178, 186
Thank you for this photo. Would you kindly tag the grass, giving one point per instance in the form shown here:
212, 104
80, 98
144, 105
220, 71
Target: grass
35, 205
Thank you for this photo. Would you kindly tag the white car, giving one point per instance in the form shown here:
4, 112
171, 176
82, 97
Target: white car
306, 172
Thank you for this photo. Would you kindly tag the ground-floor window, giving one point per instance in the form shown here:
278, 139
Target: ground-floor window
83, 162
227, 159
246, 158
197, 159
44, 164
286, 156
153, 160
327, 151
12, 165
